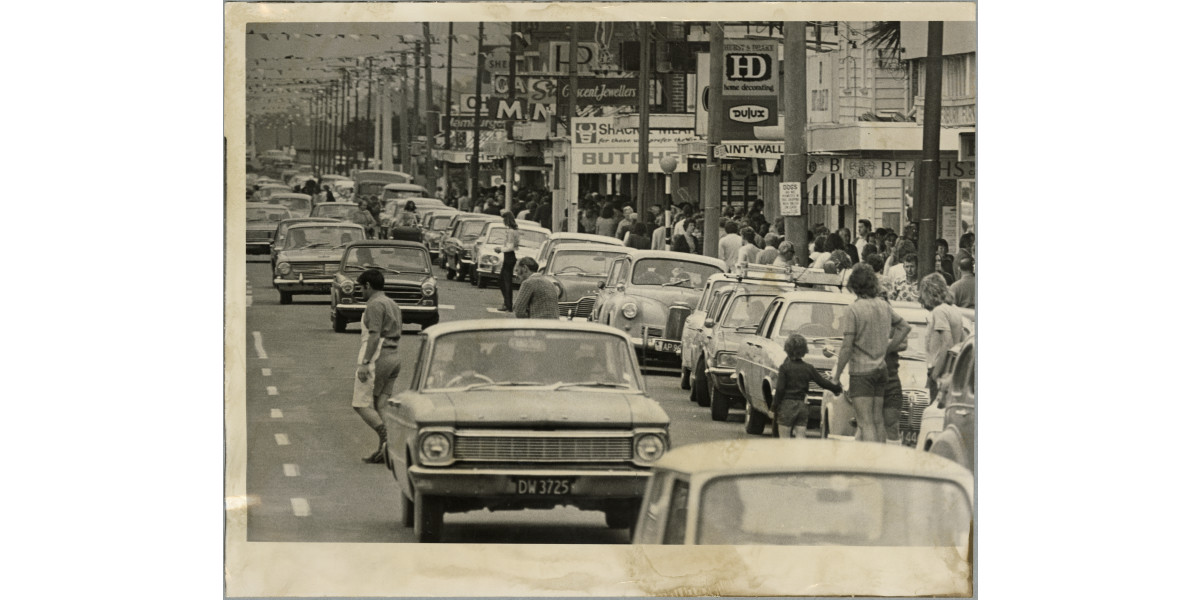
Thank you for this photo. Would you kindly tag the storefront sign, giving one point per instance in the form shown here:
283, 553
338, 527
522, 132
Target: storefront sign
464, 122
536, 88
749, 150
601, 91
875, 168
749, 84
701, 100
598, 146
602, 132
790, 204
466, 102
560, 57
518, 110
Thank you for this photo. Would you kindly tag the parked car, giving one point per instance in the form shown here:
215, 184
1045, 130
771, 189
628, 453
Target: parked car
838, 416
817, 315
458, 246
434, 226
720, 347
390, 215
281, 234
564, 237
268, 189
642, 288
334, 210
310, 256
407, 279
578, 269
300, 205
953, 435
745, 277
488, 245
369, 183
807, 493
398, 191
516, 414
261, 222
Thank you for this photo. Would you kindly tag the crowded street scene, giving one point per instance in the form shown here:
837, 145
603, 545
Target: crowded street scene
532, 282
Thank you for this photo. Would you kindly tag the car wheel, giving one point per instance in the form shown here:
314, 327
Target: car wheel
339, 322
718, 401
477, 279
684, 382
285, 297
427, 517
406, 503
755, 421
450, 272
699, 386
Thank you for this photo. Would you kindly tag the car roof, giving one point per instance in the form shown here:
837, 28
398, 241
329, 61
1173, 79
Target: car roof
513, 324
521, 225
298, 220
404, 187
263, 205
272, 184
387, 243
791, 456
335, 223
681, 256
587, 237
592, 247
292, 195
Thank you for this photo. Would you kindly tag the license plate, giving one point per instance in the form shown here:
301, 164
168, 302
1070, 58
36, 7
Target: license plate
542, 486
667, 345
909, 438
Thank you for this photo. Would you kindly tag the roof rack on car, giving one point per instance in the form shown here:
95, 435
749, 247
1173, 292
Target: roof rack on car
803, 276
745, 270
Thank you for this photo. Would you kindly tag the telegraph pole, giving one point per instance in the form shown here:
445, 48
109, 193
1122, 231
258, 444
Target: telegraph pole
927, 203
508, 125
474, 172
416, 111
795, 132
430, 113
572, 83
643, 182
385, 118
404, 132
449, 84
712, 165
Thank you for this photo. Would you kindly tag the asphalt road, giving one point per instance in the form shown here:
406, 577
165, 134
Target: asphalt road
305, 481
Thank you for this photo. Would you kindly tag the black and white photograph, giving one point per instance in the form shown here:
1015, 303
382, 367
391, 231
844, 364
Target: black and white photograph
601, 299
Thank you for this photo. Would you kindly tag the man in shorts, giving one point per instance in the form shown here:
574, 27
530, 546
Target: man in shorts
378, 357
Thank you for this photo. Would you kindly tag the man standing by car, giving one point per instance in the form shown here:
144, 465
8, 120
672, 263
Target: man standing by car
378, 357
538, 296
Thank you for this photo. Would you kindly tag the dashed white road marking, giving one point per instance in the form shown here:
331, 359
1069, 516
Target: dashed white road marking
258, 345
266, 372
445, 307
495, 310
291, 470
300, 507
276, 413
281, 439
272, 391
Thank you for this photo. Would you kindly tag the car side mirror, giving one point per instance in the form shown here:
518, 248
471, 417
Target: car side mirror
709, 322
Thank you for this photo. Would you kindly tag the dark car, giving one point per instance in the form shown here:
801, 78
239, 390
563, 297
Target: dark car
458, 245
408, 280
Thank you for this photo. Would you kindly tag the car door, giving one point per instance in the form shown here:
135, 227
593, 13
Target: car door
752, 353
693, 325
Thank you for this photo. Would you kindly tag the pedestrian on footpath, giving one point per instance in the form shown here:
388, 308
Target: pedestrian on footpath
538, 296
636, 238
872, 329
787, 255
963, 290
770, 249
791, 389
378, 357
945, 327
728, 245
511, 239
907, 289
748, 252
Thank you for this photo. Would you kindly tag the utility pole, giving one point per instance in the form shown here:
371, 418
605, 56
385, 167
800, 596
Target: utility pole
927, 203
385, 118
430, 113
712, 166
404, 132
416, 113
795, 132
643, 182
312, 135
572, 82
473, 181
511, 146
357, 121
449, 84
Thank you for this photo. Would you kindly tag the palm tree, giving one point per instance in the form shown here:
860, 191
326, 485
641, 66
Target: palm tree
885, 35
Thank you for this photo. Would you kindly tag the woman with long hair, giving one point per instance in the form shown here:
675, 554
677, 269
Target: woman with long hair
606, 224
945, 327
511, 239
872, 329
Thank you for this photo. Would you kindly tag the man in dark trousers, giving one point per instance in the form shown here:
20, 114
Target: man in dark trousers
378, 357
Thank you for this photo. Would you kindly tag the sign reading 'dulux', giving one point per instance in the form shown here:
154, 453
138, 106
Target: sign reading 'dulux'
749, 113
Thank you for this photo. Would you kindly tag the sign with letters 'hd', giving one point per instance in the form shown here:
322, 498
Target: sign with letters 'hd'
750, 87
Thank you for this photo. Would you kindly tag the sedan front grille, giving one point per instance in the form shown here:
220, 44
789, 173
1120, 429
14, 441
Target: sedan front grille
912, 408
404, 294
259, 236
581, 309
532, 447
314, 268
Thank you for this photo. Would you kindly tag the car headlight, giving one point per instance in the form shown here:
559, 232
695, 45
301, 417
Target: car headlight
629, 310
428, 287
488, 259
347, 287
435, 448
283, 268
466, 253
649, 447
726, 359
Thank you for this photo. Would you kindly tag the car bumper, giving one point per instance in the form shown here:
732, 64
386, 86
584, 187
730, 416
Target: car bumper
491, 483
351, 311
722, 377
316, 285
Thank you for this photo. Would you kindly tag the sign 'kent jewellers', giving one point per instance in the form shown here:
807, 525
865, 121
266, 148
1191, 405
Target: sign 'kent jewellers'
602, 91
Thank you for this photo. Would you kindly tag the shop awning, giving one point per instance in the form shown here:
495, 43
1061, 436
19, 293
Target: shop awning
832, 190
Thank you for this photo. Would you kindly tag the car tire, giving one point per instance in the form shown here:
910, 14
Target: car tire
285, 297
700, 385
451, 273
339, 322
684, 382
428, 514
718, 401
406, 503
477, 279
756, 422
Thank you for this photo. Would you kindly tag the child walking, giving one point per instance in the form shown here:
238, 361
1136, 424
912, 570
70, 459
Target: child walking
795, 375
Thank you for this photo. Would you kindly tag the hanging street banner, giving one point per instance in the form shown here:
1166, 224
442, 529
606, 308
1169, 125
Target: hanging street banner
877, 168
750, 87
598, 146
601, 91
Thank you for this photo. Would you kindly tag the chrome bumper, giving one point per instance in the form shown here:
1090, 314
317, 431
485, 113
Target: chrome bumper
403, 308
316, 283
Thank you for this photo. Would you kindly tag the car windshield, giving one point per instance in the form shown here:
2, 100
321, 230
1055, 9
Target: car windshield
272, 213
321, 237
371, 188
296, 205
840, 509
582, 262
813, 320
397, 194
334, 211
495, 358
440, 223
661, 271
472, 228
745, 310
396, 260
